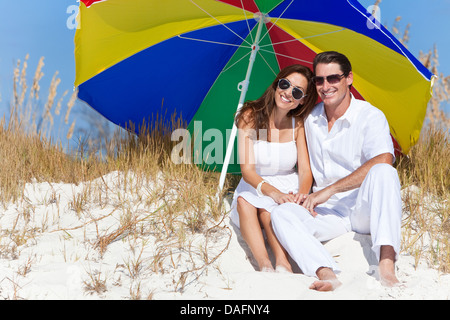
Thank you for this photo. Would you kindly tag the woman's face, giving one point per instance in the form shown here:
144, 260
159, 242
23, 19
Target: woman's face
284, 99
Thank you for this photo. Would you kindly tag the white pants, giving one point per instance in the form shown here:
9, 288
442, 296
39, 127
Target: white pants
378, 211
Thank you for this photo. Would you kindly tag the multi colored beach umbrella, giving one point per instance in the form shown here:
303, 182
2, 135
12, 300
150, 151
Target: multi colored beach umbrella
201, 59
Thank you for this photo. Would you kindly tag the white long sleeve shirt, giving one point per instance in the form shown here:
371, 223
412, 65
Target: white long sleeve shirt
356, 137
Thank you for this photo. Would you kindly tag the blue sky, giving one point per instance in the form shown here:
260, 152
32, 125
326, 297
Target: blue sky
45, 28
37, 27
430, 24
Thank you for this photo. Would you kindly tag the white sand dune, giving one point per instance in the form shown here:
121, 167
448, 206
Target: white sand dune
48, 251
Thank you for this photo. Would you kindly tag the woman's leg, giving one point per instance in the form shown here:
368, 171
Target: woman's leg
281, 256
252, 233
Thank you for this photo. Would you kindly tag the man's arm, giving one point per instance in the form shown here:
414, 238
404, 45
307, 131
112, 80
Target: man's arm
350, 182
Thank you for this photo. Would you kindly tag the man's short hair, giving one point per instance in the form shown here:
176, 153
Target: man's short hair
333, 57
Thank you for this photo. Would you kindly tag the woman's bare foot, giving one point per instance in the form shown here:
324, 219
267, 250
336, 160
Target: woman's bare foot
283, 269
327, 280
266, 266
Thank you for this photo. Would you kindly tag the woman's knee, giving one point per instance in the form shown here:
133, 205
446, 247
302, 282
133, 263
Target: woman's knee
241, 202
243, 206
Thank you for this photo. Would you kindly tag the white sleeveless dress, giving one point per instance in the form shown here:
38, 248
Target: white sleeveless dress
276, 163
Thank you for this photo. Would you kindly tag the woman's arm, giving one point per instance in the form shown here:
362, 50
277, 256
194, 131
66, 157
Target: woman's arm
305, 178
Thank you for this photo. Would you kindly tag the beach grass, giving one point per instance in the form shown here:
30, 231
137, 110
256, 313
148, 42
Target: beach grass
425, 180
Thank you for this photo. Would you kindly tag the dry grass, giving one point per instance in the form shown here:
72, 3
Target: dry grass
26, 149
425, 177
157, 206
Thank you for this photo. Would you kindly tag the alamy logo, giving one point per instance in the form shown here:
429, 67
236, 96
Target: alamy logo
72, 20
375, 18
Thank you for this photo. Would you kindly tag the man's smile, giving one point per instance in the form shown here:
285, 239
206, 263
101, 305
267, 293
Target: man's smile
329, 93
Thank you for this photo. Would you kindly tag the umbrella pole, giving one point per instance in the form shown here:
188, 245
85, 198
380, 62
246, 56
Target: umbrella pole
243, 87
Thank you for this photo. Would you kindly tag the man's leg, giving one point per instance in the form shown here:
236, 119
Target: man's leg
387, 266
378, 211
301, 235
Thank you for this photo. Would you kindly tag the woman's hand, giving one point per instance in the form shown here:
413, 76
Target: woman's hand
280, 197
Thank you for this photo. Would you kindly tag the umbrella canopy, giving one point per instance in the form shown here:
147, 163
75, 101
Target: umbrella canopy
197, 58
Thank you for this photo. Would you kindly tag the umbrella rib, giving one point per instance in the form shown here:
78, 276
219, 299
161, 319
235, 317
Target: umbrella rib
236, 62
246, 20
273, 24
297, 39
259, 52
286, 56
221, 23
214, 42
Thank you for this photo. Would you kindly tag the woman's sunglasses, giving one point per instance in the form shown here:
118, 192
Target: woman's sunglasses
331, 79
285, 84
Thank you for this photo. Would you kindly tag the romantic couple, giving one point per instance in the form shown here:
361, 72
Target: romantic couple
341, 147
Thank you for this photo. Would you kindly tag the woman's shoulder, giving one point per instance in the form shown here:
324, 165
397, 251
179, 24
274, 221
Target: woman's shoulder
299, 122
245, 119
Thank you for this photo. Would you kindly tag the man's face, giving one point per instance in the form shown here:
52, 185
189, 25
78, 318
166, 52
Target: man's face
332, 94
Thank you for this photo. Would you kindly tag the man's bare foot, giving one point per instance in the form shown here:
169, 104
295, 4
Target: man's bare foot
387, 267
327, 280
387, 274
325, 285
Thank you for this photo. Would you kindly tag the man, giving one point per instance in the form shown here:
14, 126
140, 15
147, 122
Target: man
355, 186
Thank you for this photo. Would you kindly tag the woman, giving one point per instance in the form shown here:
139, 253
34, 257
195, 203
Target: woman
272, 143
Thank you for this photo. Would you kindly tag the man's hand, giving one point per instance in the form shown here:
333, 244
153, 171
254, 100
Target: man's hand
350, 182
316, 198
299, 198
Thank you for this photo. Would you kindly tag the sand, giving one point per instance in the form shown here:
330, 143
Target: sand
48, 251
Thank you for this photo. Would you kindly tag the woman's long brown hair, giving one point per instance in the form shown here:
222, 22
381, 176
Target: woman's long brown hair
262, 108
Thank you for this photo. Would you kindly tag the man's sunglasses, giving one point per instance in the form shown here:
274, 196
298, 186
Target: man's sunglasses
285, 84
331, 79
